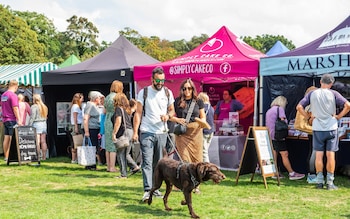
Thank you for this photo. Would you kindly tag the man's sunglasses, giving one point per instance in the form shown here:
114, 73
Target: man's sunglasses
159, 80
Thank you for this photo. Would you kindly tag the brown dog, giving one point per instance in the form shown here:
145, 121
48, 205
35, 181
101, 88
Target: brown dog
185, 176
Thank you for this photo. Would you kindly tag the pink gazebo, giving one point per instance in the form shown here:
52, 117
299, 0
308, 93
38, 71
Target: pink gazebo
223, 58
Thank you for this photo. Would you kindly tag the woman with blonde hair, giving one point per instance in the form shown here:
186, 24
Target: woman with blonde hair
111, 153
122, 114
207, 133
38, 120
24, 109
76, 120
279, 146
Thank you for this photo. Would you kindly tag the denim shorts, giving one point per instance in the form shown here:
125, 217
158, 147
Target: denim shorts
40, 127
9, 130
322, 140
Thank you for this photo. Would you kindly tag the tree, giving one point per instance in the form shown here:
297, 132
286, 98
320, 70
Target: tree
196, 41
18, 43
265, 42
161, 50
81, 36
46, 32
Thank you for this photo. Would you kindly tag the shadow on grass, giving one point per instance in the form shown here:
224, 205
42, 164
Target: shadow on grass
245, 181
128, 198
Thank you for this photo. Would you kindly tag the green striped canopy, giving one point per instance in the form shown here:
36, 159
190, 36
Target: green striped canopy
25, 74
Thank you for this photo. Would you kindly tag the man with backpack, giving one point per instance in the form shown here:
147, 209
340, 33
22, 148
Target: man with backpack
151, 116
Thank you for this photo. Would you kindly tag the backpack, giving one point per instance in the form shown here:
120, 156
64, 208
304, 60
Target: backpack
145, 93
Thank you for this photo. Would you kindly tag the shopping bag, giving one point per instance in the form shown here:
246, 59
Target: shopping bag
77, 140
302, 124
87, 153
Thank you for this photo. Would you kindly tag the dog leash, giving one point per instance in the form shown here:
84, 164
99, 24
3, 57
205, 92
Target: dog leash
173, 145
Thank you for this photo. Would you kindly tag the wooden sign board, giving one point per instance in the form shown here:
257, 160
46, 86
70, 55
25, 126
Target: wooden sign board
258, 150
23, 146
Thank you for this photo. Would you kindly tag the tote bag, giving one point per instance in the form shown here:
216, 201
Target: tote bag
302, 124
87, 153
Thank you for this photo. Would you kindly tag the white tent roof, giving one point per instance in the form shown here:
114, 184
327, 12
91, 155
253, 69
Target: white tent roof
25, 74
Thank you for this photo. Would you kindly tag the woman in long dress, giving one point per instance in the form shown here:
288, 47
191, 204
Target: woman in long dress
111, 153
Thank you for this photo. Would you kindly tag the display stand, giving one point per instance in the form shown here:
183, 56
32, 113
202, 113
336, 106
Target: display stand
23, 146
258, 150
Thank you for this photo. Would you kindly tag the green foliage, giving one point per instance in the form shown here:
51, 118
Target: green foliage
18, 43
265, 42
84, 34
46, 33
162, 50
196, 41
29, 37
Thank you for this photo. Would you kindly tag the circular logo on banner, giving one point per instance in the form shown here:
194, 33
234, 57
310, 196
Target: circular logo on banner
225, 68
211, 90
212, 45
229, 147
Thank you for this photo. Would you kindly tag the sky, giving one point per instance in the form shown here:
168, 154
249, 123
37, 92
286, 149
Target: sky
300, 21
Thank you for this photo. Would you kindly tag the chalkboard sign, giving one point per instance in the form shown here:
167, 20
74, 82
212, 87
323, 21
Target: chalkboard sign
258, 150
23, 145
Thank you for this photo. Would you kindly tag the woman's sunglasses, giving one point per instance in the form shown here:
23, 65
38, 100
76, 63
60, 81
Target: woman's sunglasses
187, 88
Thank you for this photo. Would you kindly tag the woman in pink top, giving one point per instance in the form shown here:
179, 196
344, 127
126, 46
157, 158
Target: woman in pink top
24, 109
227, 105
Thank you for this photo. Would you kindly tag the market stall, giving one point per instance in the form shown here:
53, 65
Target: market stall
222, 61
97, 73
291, 73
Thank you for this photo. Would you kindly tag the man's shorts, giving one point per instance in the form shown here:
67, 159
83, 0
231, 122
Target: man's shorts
9, 127
279, 145
322, 140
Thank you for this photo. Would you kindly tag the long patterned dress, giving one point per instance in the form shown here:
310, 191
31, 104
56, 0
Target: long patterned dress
109, 105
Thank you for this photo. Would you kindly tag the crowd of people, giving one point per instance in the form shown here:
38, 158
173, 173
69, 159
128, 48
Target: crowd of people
146, 121
16, 111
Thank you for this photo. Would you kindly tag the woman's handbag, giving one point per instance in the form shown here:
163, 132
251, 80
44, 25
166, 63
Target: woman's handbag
302, 124
180, 129
281, 128
87, 154
122, 141
77, 140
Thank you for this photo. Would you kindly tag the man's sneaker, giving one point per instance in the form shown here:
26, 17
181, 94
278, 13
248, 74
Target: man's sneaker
74, 162
296, 176
319, 186
145, 197
332, 187
157, 194
311, 179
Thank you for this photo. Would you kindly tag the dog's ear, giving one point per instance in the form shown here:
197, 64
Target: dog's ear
201, 170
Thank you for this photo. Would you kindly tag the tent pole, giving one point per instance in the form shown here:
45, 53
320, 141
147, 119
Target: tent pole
130, 90
261, 101
255, 101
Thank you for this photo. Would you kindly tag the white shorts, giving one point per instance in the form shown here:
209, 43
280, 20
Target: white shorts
41, 127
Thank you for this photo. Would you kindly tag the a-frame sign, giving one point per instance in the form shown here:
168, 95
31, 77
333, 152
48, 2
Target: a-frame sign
258, 150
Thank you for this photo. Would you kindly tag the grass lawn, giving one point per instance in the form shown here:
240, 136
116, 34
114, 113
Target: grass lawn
59, 189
